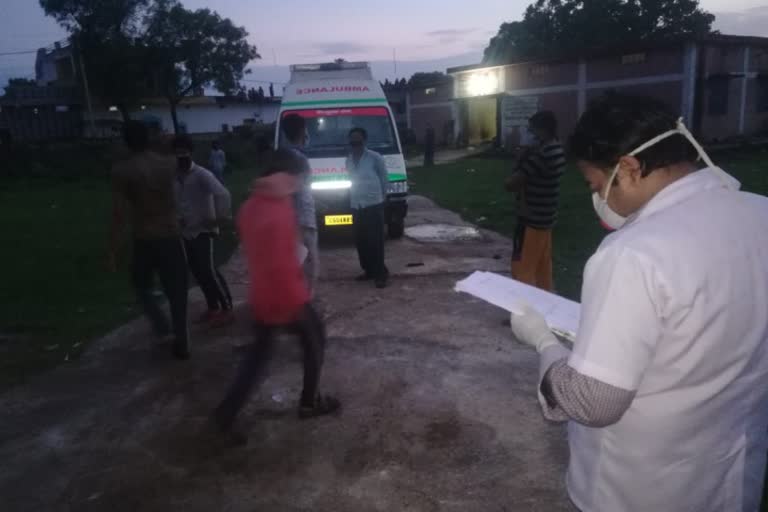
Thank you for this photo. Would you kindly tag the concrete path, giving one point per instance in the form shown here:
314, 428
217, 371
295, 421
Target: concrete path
440, 411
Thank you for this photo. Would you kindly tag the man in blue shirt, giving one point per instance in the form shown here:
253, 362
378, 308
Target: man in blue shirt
368, 174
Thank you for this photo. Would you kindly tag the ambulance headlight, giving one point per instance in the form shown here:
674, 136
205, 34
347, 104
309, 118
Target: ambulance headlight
398, 187
332, 185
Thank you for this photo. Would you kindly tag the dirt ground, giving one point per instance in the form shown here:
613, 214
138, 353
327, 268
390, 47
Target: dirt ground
439, 412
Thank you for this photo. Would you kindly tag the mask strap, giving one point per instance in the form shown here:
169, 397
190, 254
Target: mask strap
683, 130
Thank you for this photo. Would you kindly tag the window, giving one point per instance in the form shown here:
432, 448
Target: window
633, 58
539, 69
430, 91
718, 96
762, 94
329, 130
62, 108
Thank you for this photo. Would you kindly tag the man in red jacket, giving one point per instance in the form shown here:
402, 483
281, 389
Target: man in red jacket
279, 296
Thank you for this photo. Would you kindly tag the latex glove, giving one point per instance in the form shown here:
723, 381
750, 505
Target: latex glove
530, 328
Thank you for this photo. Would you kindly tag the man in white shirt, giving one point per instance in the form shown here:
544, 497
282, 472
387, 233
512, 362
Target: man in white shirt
666, 388
203, 205
217, 161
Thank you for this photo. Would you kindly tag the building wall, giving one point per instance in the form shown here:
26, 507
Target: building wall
441, 119
726, 63
565, 107
203, 118
435, 108
44, 122
635, 65
534, 75
686, 77
442, 92
670, 93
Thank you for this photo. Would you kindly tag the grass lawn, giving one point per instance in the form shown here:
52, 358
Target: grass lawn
56, 293
473, 188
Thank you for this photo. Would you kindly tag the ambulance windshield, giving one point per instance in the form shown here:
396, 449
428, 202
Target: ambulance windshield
329, 130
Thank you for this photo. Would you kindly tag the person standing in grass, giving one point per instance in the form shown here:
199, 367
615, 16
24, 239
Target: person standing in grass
537, 183
143, 188
203, 205
295, 130
279, 297
217, 161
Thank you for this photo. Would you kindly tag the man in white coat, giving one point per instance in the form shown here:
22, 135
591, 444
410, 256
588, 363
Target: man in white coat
666, 388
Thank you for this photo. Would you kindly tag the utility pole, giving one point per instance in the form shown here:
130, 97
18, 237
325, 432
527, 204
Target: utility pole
394, 60
88, 102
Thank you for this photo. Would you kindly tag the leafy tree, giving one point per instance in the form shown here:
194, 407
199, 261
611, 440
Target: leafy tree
550, 27
195, 49
105, 33
17, 82
431, 78
105, 17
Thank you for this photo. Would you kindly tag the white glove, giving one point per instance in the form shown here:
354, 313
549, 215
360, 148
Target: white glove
530, 327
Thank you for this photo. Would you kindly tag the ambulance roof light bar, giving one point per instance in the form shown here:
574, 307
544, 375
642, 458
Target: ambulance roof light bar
330, 66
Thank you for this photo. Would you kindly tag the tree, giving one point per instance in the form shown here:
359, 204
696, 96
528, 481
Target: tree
17, 82
105, 34
551, 27
431, 78
196, 49
105, 17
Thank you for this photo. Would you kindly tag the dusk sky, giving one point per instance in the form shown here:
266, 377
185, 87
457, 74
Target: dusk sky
426, 35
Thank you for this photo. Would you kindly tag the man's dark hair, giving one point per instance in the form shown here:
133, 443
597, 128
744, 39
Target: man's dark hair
359, 130
136, 135
215, 144
294, 126
282, 160
183, 142
616, 124
544, 120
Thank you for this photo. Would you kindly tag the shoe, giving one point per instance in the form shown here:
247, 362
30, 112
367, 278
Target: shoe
323, 406
206, 317
221, 319
382, 282
364, 277
180, 353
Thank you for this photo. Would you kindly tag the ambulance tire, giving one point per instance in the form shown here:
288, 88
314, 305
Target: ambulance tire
396, 229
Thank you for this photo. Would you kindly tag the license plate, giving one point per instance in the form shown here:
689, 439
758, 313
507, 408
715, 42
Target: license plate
338, 220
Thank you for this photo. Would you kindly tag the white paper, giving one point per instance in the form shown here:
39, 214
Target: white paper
562, 315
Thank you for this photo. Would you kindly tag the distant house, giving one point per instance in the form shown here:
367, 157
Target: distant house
418, 106
718, 84
55, 108
200, 114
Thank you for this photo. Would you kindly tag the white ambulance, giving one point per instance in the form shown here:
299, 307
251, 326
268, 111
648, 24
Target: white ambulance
334, 98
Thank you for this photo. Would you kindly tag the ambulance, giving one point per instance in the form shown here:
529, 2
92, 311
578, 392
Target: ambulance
333, 98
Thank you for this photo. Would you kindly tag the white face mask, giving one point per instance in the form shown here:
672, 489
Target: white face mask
615, 221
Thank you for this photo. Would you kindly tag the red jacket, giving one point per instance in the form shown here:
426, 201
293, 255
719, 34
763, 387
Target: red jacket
269, 237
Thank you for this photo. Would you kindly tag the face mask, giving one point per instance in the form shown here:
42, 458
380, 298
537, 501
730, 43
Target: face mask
615, 221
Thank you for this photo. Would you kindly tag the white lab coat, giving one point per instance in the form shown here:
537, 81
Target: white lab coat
675, 306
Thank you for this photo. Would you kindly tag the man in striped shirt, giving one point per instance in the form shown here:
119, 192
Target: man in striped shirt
536, 181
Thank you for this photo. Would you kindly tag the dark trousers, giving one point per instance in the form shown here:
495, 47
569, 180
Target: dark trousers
200, 254
165, 258
369, 238
311, 332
